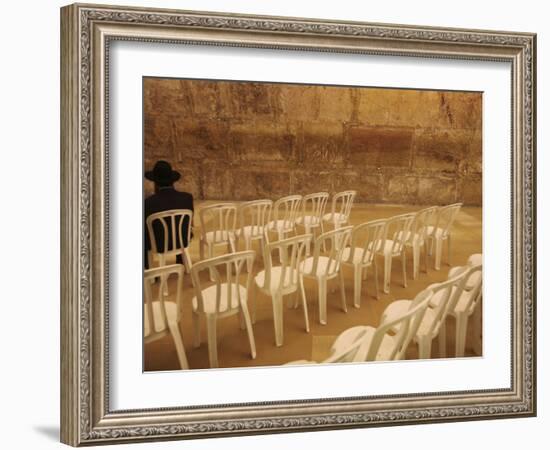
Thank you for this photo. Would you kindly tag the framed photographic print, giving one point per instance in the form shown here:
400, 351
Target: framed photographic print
276, 224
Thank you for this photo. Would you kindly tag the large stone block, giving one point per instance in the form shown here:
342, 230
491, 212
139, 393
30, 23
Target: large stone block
436, 191
368, 183
442, 149
268, 142
319, 143
401, 189
258, 183
379, 146
307, 182
471, 191
299, 102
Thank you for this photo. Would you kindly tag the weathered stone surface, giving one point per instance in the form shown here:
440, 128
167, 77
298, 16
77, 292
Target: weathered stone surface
244, 140
436, 191
401, 189
442, 149
379, 146
471, 192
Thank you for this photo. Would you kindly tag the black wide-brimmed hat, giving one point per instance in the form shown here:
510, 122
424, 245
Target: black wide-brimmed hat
162, 173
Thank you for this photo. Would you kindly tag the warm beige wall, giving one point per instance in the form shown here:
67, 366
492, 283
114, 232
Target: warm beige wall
238, 140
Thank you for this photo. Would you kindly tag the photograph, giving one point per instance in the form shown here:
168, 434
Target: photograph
297, 224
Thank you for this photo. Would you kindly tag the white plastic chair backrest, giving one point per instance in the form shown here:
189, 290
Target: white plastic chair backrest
286, 209
164, 273
314, 205
342, 203
354, 353
397, 229
337, 241
422, 220
408, 324
220, 219
226, 270
292, 252
168, 227
447, 299
366, 238
470, 278
255, 215
446, 215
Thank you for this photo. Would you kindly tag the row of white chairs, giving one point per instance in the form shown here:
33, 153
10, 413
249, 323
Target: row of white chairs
224, 224
420, 320
286, 277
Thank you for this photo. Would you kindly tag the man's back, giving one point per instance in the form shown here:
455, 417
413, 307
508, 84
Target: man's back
165, 199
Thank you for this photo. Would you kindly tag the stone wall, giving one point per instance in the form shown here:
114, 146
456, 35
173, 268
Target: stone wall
242, 140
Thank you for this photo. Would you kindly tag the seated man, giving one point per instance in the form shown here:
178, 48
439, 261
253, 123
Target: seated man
165, 198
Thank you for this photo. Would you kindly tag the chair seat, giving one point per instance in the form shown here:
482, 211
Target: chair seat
438, 233
306, 266
249, 231
350, 336
400, 307
209, 298
358, 255
411, 240
215, 237
171, 317
276, 279
387, 248
476, 259
337, 218
309, 221
280, 225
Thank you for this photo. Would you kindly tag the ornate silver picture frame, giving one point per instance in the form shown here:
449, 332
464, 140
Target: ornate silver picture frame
87, 33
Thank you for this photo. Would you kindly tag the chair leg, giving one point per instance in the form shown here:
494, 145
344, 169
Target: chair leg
424, 347
416, 260
250, 332
277, 302
248, 246
461, 329
241, 320
387, 272
357, 279
449, 249
178, 341
438, 244
426, 257
442, 339
322, 300
375, 278
404, 266
253, 296
212, 340
304, 303
187, 260
343, 290
196, 330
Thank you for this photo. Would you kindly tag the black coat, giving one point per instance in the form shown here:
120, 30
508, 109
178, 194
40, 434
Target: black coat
165, 199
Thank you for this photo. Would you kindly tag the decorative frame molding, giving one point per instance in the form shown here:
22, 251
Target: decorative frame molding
86, 31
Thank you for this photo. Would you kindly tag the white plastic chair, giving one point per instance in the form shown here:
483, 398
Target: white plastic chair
416, 238
444, 298
280, 280
342, 203
326, 267
162, 317
312, 211
393, 245
253, 217
166, 228
365, 239
466, 303
284, 214
226, 297
441, 231
378, 343
218, 224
